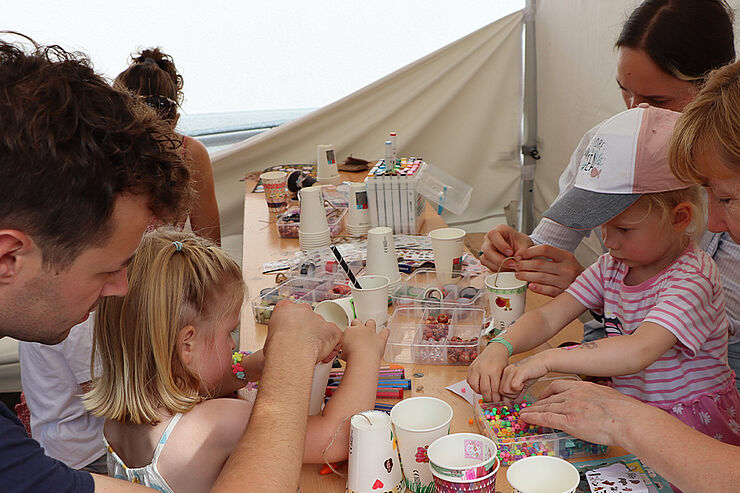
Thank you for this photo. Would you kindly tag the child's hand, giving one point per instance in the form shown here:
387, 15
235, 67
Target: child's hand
361, 338
484, 374
517, 375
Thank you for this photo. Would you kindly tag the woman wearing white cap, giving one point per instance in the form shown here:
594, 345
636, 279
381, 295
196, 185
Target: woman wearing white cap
705, 149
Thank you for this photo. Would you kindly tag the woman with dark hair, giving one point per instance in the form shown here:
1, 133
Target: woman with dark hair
664, 51
153, 77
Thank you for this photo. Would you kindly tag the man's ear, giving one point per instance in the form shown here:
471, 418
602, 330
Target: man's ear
13, 246
683, 213
186, 344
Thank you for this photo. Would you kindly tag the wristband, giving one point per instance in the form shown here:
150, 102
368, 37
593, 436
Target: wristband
503, 341
236, 367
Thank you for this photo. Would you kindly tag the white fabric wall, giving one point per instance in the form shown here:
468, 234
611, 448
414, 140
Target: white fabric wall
459, 108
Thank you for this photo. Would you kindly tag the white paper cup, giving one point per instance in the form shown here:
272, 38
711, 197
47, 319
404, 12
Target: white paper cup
326, 165
507, 297
448, 245
313, 214
418, 422
373, 460
358, 216
274, 184
381, 255
371, 302
340, 311
542, 474
318, 387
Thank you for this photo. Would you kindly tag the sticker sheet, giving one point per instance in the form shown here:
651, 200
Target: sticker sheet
615, 478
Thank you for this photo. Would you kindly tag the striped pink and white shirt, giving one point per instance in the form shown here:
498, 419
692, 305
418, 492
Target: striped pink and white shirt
686, 298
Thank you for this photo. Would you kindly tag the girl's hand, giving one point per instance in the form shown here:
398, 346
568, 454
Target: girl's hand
361, 339
484, 374
516, 376
501, 242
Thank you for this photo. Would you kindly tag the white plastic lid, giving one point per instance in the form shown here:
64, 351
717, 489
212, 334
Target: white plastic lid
444, 189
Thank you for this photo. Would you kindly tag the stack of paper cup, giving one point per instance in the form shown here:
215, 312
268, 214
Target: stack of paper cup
543, 473
381, 256
313, 231
448, 245
371, 300
418, 422
464, 462
373, 461
326, 165
358, 217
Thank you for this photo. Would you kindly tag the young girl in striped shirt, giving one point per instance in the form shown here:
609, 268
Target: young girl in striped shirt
658, 294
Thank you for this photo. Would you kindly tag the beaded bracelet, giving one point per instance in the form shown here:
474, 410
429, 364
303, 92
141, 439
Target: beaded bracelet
503, 341
236, 367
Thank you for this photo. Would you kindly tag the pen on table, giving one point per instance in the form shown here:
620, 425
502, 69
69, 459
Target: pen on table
345, 267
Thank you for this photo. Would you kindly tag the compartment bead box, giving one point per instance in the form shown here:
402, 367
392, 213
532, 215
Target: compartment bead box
303, 290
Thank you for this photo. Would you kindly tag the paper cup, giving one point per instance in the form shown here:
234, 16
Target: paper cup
358, 217
381, 256
326, 165
486, 484
464, 456
371, 302
373, 460
340, 311
274, 184
418, 422
448, 245
318, 387
507, 297
543, 474
313, 214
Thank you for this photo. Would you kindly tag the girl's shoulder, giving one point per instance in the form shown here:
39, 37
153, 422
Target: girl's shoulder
222, 417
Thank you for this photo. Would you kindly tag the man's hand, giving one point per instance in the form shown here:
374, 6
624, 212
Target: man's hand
549, 270
297, 325
501, 242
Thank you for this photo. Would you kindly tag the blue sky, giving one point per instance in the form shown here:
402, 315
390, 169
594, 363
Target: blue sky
252, 55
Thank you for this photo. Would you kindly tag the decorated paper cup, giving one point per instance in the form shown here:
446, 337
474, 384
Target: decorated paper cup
373, 459
418, 422
448, 484
543, 474
273, 183
507, 296
463, 456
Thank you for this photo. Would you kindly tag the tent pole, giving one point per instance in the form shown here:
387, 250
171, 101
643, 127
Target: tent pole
529, 130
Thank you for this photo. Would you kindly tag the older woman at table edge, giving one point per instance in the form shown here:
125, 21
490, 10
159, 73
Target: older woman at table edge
705, 149
83, 168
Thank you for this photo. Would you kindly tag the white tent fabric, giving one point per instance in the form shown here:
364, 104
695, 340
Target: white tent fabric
459, 108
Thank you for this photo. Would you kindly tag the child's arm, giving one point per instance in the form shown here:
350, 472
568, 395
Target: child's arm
363, 350
252, 369
532, 329
620, 355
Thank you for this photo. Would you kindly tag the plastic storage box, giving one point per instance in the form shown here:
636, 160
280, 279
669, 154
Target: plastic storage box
444, 190
423, 289
289, 222
438, 336
516, 439
302, 290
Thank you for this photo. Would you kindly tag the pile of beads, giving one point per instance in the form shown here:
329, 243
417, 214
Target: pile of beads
462, 351
517, 439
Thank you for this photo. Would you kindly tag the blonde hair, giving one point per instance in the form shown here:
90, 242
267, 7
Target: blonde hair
665, 202
711, 121
136, 336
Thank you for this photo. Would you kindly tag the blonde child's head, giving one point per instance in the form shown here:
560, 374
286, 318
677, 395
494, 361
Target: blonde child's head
625, 168
153, 342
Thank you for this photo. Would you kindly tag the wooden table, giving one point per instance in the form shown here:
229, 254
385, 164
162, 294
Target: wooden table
262, 244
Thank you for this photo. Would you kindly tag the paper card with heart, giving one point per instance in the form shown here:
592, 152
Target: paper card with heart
615, 478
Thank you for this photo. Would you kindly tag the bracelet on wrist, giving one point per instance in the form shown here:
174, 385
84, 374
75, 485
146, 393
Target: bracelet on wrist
503, 342
236, 367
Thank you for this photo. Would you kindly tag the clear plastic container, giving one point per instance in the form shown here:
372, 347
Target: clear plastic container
289, 222
436, 336
302, 290
423, 289
516, 439
443, 189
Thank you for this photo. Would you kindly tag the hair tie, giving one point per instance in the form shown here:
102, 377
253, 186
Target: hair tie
178, 246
